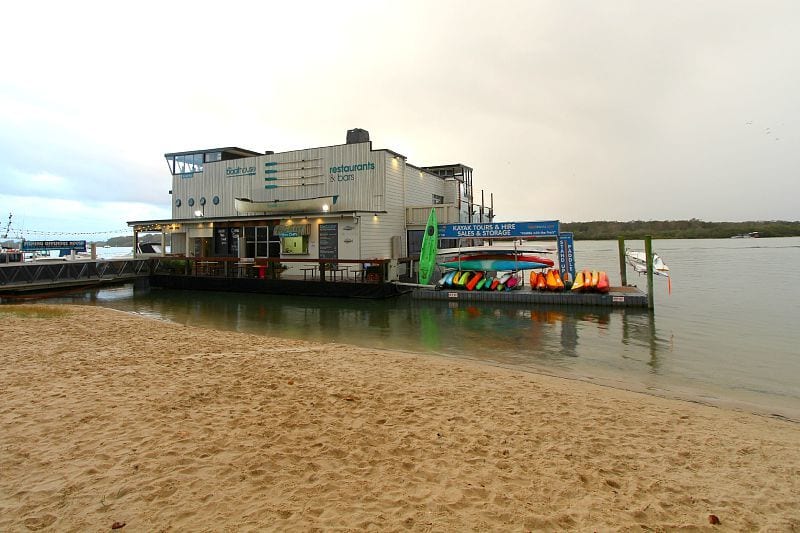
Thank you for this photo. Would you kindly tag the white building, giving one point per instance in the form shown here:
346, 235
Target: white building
347, 202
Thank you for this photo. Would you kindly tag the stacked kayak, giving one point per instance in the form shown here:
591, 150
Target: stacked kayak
547, 281
470, 280
585, 281
487, 262
591, 281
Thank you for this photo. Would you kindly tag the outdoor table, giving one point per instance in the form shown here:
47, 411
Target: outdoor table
362, 272
205, 267
308, 269
241, 269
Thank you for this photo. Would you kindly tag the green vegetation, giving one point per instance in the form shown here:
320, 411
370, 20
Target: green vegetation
173, 266
32, 311
679, 229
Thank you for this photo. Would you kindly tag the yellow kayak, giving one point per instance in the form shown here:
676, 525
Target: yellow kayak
578, 284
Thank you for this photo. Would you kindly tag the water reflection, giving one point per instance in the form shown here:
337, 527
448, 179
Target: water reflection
542, 337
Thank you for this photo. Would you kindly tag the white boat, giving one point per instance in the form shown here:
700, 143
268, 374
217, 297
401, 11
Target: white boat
751, 235
150, 248
322, 204
637, 259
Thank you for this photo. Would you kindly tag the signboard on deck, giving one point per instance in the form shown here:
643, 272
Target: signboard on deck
566, 254
500, 230
329, 241
32, 246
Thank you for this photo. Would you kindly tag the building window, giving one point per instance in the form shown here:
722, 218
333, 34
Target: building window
187, 164
178, 202
215, 200
294, 245
415, 242
438, 199
257, 241
191, 202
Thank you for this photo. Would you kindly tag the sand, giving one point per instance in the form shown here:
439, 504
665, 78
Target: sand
109, 417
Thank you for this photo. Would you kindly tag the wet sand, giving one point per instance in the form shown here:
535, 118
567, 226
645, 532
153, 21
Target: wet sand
110, 417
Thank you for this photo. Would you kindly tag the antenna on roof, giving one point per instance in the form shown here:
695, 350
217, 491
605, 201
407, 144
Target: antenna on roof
8, 227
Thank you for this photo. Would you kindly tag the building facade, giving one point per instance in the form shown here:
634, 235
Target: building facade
346, 201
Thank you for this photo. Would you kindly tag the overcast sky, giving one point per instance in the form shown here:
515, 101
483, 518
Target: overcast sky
569, 110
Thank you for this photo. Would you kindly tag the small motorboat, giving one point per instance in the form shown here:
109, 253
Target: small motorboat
638, 261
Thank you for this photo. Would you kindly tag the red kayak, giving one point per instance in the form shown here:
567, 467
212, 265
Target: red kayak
602, 282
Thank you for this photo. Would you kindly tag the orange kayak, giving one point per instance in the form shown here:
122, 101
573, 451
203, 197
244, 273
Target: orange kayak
552, 284
541, 281
595, 279
474, 281
602, 282
559, 281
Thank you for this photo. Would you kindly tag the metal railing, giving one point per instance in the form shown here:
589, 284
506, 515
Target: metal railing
354, 270
36, 273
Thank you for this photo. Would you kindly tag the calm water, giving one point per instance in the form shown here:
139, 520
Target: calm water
726, 334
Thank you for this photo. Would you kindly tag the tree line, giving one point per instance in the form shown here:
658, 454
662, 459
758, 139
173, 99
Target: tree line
679, 229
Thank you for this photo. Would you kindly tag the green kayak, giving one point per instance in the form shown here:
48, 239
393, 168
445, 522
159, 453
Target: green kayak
430, 246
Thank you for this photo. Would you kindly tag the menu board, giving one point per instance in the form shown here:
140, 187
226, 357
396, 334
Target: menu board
234, 241
329, 241
221, 242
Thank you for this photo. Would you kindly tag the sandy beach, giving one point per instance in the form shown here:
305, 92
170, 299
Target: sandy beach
109, 417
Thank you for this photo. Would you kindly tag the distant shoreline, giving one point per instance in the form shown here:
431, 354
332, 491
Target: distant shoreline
679, 229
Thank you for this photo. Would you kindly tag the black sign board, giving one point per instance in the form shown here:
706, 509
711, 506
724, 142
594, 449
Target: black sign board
221, 242
234, 241
329, 241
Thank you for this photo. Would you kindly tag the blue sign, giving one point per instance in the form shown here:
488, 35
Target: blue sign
502, 230
566, 254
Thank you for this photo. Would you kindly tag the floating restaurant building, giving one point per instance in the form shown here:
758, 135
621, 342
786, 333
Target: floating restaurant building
347, 201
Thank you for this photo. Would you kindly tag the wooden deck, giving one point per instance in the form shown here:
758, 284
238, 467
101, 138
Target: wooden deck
616, 297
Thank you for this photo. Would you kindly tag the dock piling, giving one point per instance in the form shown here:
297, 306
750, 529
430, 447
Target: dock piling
623, 271
648, 258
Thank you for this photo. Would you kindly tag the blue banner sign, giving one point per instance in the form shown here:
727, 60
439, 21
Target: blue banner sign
32, 246
566, 255
501, 230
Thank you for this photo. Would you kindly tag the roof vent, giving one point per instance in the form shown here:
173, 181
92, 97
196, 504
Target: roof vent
357, 135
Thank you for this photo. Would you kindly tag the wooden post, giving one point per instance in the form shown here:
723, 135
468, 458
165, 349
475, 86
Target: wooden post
648, 258
623, 271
